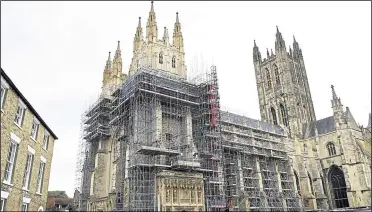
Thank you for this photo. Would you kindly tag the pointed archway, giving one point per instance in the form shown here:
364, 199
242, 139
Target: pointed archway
338, 187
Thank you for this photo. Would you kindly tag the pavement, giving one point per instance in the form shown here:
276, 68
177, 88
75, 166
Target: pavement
353, 209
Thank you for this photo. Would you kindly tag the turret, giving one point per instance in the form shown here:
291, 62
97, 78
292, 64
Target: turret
279, 43
177, 35
138, 37
151, 27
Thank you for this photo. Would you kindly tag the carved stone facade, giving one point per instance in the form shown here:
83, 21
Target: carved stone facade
177, 191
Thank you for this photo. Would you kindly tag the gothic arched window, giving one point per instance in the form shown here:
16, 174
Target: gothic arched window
284, 115
273, 114
174, 62
161, 58
331, 149
277, 77
268, 79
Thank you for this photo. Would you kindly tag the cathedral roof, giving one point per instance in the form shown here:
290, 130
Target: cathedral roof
232, 118
323, 126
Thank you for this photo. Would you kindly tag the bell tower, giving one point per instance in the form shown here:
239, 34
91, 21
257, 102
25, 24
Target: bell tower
282, 85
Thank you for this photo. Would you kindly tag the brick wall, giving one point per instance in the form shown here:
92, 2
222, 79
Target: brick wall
16, 193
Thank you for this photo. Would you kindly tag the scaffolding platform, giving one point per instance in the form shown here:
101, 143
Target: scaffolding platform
148, 150
185, 163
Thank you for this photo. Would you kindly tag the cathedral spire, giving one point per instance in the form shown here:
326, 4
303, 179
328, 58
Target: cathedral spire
117, 65
256, 53
108, 63
334, 95
177, 19
296, 49
151, 27
177, 34
138, 37
279, 43
336, 101
117, 52
139, 23
107, 72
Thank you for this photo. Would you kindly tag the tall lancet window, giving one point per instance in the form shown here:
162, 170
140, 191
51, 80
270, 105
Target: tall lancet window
161, 58
174, 62
273, 114
268, 79
277, 77
284, 115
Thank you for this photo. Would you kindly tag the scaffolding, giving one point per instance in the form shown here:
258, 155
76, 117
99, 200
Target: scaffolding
257, 170
157, 122
161, 122
95, 128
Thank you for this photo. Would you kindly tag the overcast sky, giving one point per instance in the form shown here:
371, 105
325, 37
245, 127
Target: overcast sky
55, 53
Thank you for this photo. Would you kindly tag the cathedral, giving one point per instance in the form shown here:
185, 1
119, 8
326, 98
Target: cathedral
156, 141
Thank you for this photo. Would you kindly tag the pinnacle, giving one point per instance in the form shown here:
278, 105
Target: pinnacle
334, 96
177, 19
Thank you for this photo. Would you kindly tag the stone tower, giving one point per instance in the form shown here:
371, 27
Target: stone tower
158, 53
283, 88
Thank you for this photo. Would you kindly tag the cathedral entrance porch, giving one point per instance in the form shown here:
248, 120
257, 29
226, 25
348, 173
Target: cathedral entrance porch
177, 191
